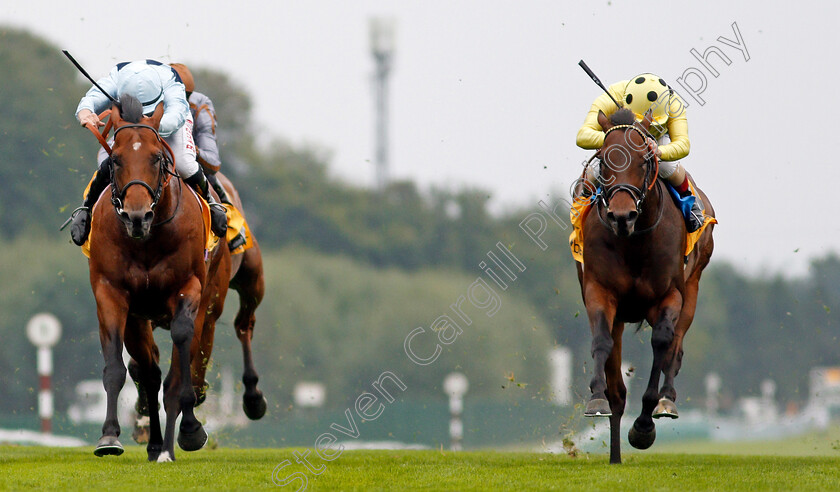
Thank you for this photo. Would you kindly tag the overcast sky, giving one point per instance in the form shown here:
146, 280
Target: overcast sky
488, 93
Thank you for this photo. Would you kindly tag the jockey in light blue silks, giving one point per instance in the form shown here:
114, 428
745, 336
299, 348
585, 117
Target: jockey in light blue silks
151, 82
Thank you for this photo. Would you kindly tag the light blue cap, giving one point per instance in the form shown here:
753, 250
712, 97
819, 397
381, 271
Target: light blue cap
146, 86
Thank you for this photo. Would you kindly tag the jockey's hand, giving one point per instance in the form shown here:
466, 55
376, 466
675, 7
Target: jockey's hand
654, 147
87, 116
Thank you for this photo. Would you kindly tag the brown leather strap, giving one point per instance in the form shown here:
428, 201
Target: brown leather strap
105, 130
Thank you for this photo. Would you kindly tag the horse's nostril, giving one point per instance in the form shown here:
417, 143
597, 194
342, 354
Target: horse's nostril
611, 216
149, 216
632, 215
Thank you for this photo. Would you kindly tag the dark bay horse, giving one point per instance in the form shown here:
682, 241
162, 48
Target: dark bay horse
633, 271
148, 267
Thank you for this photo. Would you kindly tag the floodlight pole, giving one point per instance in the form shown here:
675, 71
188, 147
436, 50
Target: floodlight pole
382, 50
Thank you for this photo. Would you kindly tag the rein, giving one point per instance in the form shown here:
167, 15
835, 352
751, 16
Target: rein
647, 229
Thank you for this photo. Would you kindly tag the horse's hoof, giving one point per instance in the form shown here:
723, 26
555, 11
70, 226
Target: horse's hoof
192, 441
639, 439
665, 408
154, 452
254, 407
165, 457
597, 407
141, 433
108, 445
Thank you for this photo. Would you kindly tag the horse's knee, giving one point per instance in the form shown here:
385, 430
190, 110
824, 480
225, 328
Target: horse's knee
182, 331
662, 336
114, 374
601, 343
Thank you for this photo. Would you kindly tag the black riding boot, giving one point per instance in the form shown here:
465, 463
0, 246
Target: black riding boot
695, 218
220, 190
218, 219
80, 225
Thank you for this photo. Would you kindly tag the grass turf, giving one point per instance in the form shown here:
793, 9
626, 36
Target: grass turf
248, 469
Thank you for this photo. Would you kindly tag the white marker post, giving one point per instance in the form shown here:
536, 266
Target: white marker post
456, 385
43, 331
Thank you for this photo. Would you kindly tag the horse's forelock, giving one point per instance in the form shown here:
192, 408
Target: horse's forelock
130, 108
623, 117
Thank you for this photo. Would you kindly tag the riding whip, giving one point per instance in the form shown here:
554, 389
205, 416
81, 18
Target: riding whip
84, 72
594, 79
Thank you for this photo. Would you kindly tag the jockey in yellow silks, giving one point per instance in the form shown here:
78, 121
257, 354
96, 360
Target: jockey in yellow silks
669, 130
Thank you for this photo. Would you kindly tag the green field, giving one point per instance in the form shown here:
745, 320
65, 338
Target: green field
248, 469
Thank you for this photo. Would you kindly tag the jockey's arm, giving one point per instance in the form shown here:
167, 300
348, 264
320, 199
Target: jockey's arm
175, 107
680, 145
95, 101
204, 131
591, 135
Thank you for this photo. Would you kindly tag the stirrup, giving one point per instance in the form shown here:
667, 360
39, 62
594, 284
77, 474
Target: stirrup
73, 216
695, 218
238, 241
694, 221
218, 221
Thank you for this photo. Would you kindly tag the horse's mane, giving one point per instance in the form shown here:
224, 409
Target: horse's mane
130, 108
623, 117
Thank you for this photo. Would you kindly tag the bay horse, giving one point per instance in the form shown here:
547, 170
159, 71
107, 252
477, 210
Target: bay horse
148, 267
634, 270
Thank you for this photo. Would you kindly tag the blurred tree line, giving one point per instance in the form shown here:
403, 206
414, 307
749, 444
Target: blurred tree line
351, 271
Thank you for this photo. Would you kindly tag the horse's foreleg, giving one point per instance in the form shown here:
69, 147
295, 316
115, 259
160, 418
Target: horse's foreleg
601, 311
249, 283
111, 309
179, 396
146, 373
673, 358
191, 435
643, 432
616, 393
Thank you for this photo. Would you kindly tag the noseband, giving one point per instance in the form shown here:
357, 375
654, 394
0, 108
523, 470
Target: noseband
163, 162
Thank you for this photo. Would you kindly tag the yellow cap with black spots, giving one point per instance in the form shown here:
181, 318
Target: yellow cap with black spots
648, 92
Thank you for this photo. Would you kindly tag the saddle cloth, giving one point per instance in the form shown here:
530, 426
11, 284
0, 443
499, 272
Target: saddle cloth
581, 208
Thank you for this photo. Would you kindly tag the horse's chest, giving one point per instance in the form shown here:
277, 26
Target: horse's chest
151, 288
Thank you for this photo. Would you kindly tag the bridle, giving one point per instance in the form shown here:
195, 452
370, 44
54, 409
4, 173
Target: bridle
165, 164
638, 194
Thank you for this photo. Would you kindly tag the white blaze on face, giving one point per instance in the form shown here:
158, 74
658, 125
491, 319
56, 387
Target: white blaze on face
137, 145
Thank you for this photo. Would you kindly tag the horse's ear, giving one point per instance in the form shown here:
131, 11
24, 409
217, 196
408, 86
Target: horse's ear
116, 117
647, 120
157, 115
604, 121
